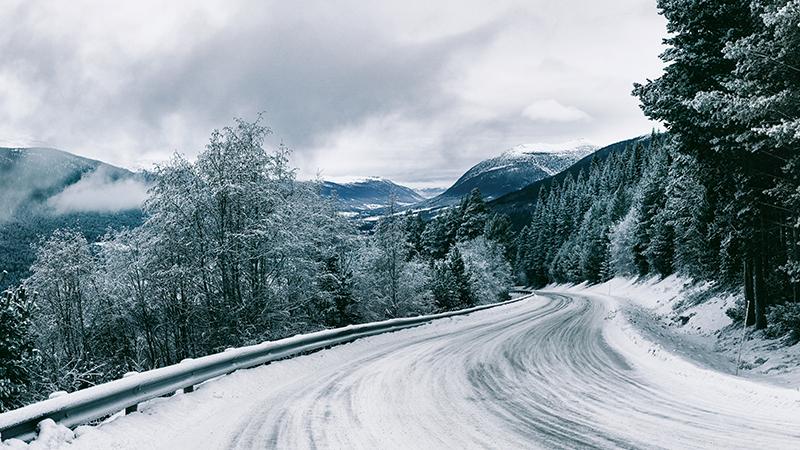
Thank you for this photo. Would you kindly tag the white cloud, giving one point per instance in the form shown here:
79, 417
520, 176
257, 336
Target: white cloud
550, 110
98, 192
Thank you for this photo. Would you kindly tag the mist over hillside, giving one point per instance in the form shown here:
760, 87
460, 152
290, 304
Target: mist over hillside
49, 181
45, 189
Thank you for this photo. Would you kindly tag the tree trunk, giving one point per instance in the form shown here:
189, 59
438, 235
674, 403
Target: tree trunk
793, 255
760, 292
748, 292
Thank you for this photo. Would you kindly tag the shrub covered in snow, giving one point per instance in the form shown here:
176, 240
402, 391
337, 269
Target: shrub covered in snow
736, 313
784, 320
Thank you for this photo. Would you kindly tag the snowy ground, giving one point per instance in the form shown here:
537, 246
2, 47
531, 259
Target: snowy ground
563, 369
689, 319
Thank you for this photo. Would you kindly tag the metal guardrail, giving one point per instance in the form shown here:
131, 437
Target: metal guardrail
83, 406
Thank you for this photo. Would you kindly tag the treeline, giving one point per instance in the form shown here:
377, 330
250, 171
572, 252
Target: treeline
730, 99
27, 225
576, 231
645, 211
715, 198
641, 211
233, 251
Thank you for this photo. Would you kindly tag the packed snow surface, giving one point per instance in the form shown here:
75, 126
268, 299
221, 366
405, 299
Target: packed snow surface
561, 369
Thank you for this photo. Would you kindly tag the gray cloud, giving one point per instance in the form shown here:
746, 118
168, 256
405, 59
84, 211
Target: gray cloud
416, 91
550, 110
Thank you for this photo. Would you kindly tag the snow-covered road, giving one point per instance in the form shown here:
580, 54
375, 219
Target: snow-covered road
556, 370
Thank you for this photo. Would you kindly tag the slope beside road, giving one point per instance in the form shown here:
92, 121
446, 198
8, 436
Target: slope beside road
556, 370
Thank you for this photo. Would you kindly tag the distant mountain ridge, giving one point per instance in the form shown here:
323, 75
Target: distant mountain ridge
370, 193
513, 169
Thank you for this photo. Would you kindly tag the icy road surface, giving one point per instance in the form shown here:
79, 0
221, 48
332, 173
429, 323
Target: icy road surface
556, 370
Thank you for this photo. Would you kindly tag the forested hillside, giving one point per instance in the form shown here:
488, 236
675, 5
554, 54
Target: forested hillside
715, 198
45, 189
520, 204
18, 233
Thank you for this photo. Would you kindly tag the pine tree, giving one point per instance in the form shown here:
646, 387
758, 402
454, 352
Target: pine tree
661, 249
689, 212
444, 288
473, 216
593, 242
436, 237
415, 229
455, 263
763, 101
524, 265
621, 245
650, 202
696, 98
498, 229
336, 301
16, 347
452, 287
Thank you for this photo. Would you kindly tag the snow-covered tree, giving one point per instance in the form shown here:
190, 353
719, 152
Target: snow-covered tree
452, 287
336, 302
390, 281
621, 242
17, 352
488, 270
63, 279
473, 216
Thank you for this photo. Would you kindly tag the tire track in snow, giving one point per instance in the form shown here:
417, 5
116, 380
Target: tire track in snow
544, 376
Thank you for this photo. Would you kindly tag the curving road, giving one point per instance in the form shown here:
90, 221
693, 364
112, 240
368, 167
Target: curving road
553, 371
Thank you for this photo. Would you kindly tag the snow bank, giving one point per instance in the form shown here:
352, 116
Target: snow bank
674, 298
672, 370
689, 319
51, 436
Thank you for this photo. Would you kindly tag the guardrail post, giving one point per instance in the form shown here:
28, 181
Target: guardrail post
189, 388
135, 407
229, 349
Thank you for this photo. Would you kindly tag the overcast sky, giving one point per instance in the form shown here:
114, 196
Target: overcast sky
415, 91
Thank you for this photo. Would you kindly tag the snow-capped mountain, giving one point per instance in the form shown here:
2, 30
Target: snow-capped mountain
514, 169
369, 193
